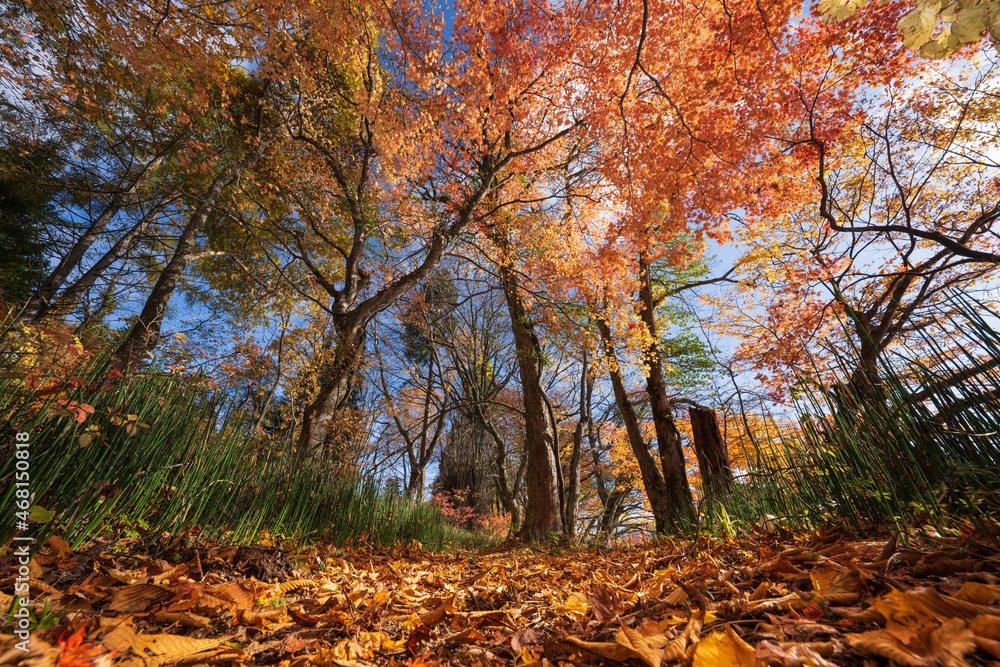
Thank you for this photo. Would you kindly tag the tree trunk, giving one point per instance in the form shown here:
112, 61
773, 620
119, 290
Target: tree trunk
543, 510
505, 489
335, 389
612, 512
43, 296
576, 456
713, 458
668, 437
145, 335
66, 301
42, 299
652, 477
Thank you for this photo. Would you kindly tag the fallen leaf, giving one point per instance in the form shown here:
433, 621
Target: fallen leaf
724, 649
605, 602
137, 598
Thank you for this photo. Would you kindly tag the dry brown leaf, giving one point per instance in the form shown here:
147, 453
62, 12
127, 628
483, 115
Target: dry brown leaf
986, 625
885, 645
977, 593
155, 649
943, 567
788, 654
780, 565
67, 602
838, 586
990, 646
171, 574
676, 596
242, 595
684, 644
609, 650
914, 608
760, 591
467, 636
951, 642
946, 644
137, 598
605, 603
575, 606
183, 618
639, 646
39, 654
435, 616
222, 655
289, 586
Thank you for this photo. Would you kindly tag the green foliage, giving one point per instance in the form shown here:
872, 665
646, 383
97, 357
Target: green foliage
26, 207
688, 361
917, 450
41, 621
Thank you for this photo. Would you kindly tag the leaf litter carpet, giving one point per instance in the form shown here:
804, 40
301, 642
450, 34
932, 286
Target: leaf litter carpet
814, 601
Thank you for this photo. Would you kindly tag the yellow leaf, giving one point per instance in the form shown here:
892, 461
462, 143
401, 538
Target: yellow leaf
724, 649
970, 23
575, 605
917, 27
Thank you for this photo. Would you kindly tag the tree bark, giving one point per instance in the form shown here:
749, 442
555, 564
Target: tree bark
66, 301
335, 390
652, 477
145, 335
576, 456
543, 510
507, 491
713, 458
612, 512
46, 292
668, 437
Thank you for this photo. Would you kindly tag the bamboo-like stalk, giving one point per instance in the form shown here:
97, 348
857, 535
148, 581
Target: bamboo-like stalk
924, 452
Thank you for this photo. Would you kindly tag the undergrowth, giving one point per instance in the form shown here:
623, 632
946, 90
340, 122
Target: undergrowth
918, 451
154, 453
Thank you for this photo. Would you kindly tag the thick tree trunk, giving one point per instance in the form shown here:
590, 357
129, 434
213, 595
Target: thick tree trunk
668, 437
417, 482
543, 510
710, 448
335, 389
145, 335
652, 476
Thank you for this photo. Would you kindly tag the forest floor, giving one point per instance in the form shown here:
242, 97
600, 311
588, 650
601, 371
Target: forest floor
815, 601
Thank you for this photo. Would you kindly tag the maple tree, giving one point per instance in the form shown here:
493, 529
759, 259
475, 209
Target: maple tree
305, 168
903, 223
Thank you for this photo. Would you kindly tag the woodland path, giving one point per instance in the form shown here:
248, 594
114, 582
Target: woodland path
817, 601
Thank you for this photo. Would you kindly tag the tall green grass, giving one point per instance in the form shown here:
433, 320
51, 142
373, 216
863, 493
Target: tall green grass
921, 451
159, 455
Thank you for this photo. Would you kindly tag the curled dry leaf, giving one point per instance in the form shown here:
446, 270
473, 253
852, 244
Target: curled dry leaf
156, 649
839, 587
628, 645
